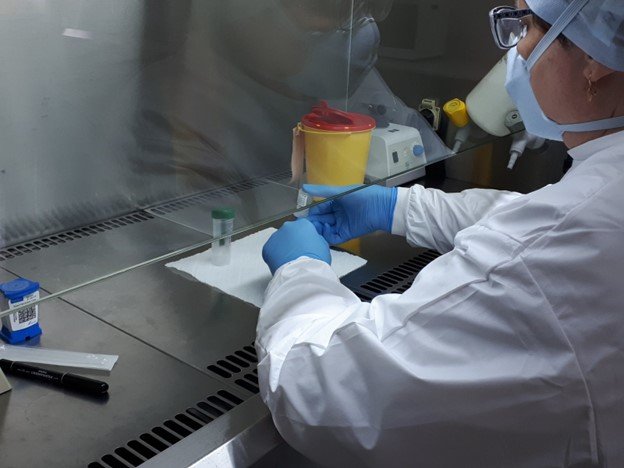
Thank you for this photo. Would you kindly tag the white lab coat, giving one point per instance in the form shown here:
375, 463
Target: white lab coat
507, 351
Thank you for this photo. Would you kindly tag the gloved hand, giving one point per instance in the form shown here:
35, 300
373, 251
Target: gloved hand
293, 240
356, 214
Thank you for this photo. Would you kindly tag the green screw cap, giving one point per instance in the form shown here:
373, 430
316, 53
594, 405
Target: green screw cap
223, 213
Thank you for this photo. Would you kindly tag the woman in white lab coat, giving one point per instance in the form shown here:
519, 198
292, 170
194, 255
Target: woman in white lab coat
509, 349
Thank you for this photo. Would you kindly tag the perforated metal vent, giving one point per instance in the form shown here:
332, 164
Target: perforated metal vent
132, 218
207, 196
204, 197
280, 176
73, 234
396, 280
171, 431
240, 368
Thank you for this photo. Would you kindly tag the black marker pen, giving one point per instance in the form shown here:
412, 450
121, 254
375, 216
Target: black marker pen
62, 379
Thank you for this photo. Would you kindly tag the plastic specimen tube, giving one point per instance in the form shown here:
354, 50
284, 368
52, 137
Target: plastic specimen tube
222, 228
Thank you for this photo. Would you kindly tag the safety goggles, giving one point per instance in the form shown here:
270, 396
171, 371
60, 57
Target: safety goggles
508, 26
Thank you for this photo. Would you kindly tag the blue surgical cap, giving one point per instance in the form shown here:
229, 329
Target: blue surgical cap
598, 29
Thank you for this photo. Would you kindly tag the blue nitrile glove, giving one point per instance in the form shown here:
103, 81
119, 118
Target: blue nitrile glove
354, 215
293, 240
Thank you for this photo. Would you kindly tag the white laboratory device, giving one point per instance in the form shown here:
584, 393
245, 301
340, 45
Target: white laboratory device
491, 107
395, 150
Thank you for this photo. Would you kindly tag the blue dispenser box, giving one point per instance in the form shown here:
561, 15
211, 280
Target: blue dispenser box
24, 324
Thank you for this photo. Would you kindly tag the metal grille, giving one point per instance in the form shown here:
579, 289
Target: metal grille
137, 451
73, 234
280, 176
396, 280
132, 218
240, 368
207, 196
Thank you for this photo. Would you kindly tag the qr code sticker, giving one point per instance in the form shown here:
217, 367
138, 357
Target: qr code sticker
26, 315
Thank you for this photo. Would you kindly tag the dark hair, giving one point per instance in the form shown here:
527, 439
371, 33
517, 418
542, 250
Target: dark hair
545, 26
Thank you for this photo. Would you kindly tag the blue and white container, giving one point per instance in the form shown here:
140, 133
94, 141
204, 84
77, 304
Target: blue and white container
22, 325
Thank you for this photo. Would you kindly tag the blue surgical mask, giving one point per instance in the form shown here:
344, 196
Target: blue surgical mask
519, 86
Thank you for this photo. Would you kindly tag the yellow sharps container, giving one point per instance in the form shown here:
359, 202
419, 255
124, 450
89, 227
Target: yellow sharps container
336, 144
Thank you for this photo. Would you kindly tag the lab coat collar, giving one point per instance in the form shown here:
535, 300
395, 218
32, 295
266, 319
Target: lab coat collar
583, 152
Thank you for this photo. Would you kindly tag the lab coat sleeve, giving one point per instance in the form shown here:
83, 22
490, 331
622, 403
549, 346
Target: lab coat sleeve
431, 218
469, 369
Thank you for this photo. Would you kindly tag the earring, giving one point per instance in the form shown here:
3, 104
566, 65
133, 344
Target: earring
591, 90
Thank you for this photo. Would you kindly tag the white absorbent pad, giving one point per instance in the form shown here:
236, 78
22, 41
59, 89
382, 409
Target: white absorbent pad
247, 276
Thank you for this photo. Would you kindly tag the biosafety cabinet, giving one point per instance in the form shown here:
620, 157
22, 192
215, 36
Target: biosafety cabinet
126, 125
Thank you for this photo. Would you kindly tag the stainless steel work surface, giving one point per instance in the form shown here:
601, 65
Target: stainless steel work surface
86, 258
194, 322
42, 425
176, 314
171, 333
